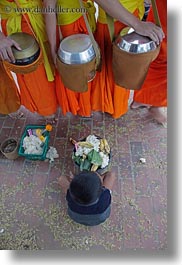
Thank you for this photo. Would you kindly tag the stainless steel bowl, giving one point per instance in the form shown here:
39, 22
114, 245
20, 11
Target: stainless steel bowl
135, 43
76, 49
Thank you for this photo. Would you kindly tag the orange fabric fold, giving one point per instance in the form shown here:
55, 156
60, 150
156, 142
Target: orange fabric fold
154, 89
102, 85
9, 95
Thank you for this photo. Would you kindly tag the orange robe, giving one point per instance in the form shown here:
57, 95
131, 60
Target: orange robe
37, 93
154, 89
9, 95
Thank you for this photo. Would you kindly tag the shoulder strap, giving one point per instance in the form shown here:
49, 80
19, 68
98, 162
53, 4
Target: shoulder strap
110, 24
156, 14
95, 46
30, 27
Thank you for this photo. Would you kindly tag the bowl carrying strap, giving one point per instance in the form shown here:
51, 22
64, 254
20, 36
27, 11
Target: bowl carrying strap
23, 69
95, 46
156, 14
30, 27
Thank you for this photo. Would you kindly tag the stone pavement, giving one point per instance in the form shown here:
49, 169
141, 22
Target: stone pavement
33, 210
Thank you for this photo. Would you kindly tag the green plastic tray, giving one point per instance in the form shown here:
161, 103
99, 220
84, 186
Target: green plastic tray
45, 147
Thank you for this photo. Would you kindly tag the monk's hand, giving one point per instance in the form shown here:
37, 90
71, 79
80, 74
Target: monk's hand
6, 53
150, 30
148, 2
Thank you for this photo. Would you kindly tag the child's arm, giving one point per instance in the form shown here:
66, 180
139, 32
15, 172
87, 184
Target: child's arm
109, 179
64, 181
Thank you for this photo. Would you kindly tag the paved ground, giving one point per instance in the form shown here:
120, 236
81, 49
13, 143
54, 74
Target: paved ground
32, 205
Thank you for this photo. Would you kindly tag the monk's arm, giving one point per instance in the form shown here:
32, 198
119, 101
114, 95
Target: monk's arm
115, 9
51, 22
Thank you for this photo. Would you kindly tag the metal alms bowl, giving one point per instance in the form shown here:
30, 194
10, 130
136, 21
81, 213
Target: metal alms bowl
135, 43
76, 49
29, 48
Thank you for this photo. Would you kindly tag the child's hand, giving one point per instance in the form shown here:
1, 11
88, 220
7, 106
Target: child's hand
109, 179
70, 177
63, 182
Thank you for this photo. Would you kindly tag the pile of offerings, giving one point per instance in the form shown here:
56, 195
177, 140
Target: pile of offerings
34, 142
92, 154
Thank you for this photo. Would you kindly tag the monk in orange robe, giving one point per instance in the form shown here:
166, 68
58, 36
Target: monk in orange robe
106, 95
61, 25
37, 89
154, 90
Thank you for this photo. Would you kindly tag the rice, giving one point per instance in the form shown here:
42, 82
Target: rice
92, 139
105, 159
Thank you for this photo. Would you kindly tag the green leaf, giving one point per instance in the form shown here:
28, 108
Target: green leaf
77, 159
81, 164
90, 155
96, 158
86, 165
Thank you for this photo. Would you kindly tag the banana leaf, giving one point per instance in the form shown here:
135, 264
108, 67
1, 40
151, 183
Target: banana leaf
90, 155
77, 159
86, 165
96, 158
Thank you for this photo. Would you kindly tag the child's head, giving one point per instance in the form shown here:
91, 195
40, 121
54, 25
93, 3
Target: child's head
85, 187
